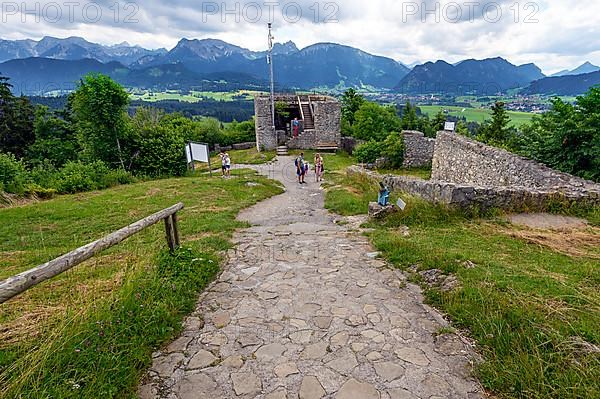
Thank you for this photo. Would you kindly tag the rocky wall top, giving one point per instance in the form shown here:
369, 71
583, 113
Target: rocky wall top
460, 160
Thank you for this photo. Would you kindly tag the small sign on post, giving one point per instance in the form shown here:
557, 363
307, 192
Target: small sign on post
449, 126
401, 204
198, 152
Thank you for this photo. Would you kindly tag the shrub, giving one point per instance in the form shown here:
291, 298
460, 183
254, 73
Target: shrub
45, 175
117, 177
34, 190
393, 149
77, 176
161, 152
13, 176
368, 152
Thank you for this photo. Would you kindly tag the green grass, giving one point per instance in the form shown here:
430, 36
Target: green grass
90, 332
422, 173
193, 96
239, 157
479, 115
526, 305
247, 157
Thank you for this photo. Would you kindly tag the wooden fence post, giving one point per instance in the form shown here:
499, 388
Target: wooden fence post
176, 230
169, 233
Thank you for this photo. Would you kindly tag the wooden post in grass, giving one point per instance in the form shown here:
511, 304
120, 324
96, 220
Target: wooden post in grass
15, 285
170, 234
176, 230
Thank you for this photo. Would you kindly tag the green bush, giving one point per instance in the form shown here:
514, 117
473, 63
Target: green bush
34, 190
161, 152
393, 149
77, 176
45, 175
368, 152
116, 177
13, 176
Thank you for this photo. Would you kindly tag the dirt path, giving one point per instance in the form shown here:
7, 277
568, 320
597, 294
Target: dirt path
304, 310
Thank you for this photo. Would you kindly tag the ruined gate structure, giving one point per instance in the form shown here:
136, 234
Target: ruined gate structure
319, 116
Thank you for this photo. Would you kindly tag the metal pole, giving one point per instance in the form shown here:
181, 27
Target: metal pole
192, 156
272, 79
209, 165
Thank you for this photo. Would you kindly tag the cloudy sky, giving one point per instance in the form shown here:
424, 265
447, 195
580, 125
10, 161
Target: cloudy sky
555, 34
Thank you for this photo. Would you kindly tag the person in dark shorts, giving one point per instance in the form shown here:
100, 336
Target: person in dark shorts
300, 172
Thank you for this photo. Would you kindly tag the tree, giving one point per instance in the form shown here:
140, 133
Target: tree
497, 132
409, 117
351, 103
375, 122
567, 137
100, 111
438, 121
55, 139
393, 149
16, 121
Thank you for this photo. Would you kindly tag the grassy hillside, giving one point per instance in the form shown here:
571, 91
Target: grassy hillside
90, 332
476, 114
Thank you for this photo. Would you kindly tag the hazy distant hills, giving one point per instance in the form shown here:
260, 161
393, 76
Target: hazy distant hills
39, 67
36, 75
43, 75
568, 85
73, 48
488, 77
587, 67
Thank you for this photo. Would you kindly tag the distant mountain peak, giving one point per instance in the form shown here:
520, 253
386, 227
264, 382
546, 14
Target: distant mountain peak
285, 48
586, 67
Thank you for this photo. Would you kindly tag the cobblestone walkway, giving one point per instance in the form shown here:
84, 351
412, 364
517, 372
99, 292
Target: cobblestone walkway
304, 310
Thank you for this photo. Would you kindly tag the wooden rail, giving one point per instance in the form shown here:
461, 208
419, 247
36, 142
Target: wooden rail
20, 283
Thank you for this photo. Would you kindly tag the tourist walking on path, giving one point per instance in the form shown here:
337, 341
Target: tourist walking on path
296, 127
319, 167
225, 164
300, 172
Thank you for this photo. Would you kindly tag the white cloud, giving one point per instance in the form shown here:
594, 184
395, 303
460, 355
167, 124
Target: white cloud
566, 34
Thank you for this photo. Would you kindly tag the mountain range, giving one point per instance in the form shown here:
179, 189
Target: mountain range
587, 67
568, 85
488, 77
39, 67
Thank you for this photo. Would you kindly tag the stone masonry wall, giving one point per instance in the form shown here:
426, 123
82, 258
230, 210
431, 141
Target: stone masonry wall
266, 138
328, 116
483, 198
460, 160
418, 149
327, 119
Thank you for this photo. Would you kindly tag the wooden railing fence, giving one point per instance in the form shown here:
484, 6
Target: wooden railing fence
20, 283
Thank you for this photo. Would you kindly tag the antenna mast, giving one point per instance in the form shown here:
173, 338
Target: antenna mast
270, 62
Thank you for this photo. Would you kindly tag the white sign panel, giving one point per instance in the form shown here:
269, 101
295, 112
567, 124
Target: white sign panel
401, 204
449, 126
197, 152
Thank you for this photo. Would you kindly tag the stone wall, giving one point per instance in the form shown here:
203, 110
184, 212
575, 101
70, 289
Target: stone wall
266, 138
460, 160
328, 117
418, 149
483, 198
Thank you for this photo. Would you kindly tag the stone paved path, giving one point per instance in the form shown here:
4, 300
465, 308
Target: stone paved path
304, 310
